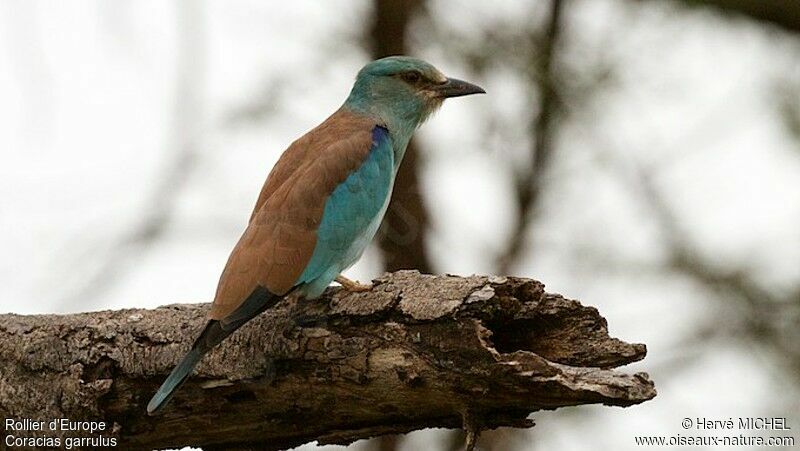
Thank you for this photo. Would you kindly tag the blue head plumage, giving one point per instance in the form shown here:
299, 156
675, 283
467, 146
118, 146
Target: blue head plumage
402, 92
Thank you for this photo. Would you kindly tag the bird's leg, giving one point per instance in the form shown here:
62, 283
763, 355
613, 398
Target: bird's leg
352, 285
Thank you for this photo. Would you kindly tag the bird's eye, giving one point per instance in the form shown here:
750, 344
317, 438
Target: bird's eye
411, 76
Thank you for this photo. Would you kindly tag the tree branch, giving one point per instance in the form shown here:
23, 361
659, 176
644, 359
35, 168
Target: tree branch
782, 13
417, 351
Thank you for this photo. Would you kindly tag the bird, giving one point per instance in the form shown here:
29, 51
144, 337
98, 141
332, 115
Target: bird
322, 202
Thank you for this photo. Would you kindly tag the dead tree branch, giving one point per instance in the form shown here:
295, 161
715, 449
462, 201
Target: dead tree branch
417, 351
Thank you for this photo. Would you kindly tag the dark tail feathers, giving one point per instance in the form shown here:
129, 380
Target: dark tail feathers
215, 331
210, 337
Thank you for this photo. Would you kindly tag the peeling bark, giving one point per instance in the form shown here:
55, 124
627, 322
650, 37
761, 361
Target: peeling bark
418, 351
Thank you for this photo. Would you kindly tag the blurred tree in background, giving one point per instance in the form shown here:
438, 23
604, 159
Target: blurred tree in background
402, 235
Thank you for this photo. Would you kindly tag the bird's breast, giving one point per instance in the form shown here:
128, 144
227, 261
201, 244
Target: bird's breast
352, 214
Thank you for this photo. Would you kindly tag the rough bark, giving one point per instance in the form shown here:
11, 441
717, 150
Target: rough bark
417, 351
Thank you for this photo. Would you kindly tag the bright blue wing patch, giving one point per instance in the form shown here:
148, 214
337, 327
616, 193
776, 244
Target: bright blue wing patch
351, 216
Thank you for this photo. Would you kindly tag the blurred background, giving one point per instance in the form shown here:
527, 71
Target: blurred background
641, 156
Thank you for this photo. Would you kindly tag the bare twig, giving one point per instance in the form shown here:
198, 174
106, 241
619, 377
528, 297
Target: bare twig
781, 13
530, 181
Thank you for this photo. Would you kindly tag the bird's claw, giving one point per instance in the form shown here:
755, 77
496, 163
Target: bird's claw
353, 286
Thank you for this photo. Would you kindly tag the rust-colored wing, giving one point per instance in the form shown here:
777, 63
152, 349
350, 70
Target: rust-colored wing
279, 240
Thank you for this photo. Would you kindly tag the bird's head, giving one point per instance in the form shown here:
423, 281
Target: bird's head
404, 91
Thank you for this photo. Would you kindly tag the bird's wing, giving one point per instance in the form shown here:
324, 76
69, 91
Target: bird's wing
280, 238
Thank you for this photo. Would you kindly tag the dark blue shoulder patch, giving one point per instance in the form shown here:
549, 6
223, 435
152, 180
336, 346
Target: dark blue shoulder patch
379, 133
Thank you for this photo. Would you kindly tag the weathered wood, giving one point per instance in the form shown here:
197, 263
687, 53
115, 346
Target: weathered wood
417, 351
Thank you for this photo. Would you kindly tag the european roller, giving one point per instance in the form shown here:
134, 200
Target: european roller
323, 201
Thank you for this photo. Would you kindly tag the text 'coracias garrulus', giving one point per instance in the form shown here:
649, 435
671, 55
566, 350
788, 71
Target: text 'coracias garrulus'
323, 201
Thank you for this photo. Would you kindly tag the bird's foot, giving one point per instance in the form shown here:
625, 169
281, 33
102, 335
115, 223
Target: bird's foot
352, 285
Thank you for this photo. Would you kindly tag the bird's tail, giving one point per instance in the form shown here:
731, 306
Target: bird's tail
210, 337
215, 331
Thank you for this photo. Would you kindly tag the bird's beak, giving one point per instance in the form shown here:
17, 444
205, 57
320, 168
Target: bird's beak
454, 87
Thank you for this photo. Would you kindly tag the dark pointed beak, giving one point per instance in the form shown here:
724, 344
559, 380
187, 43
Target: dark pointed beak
454, 87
